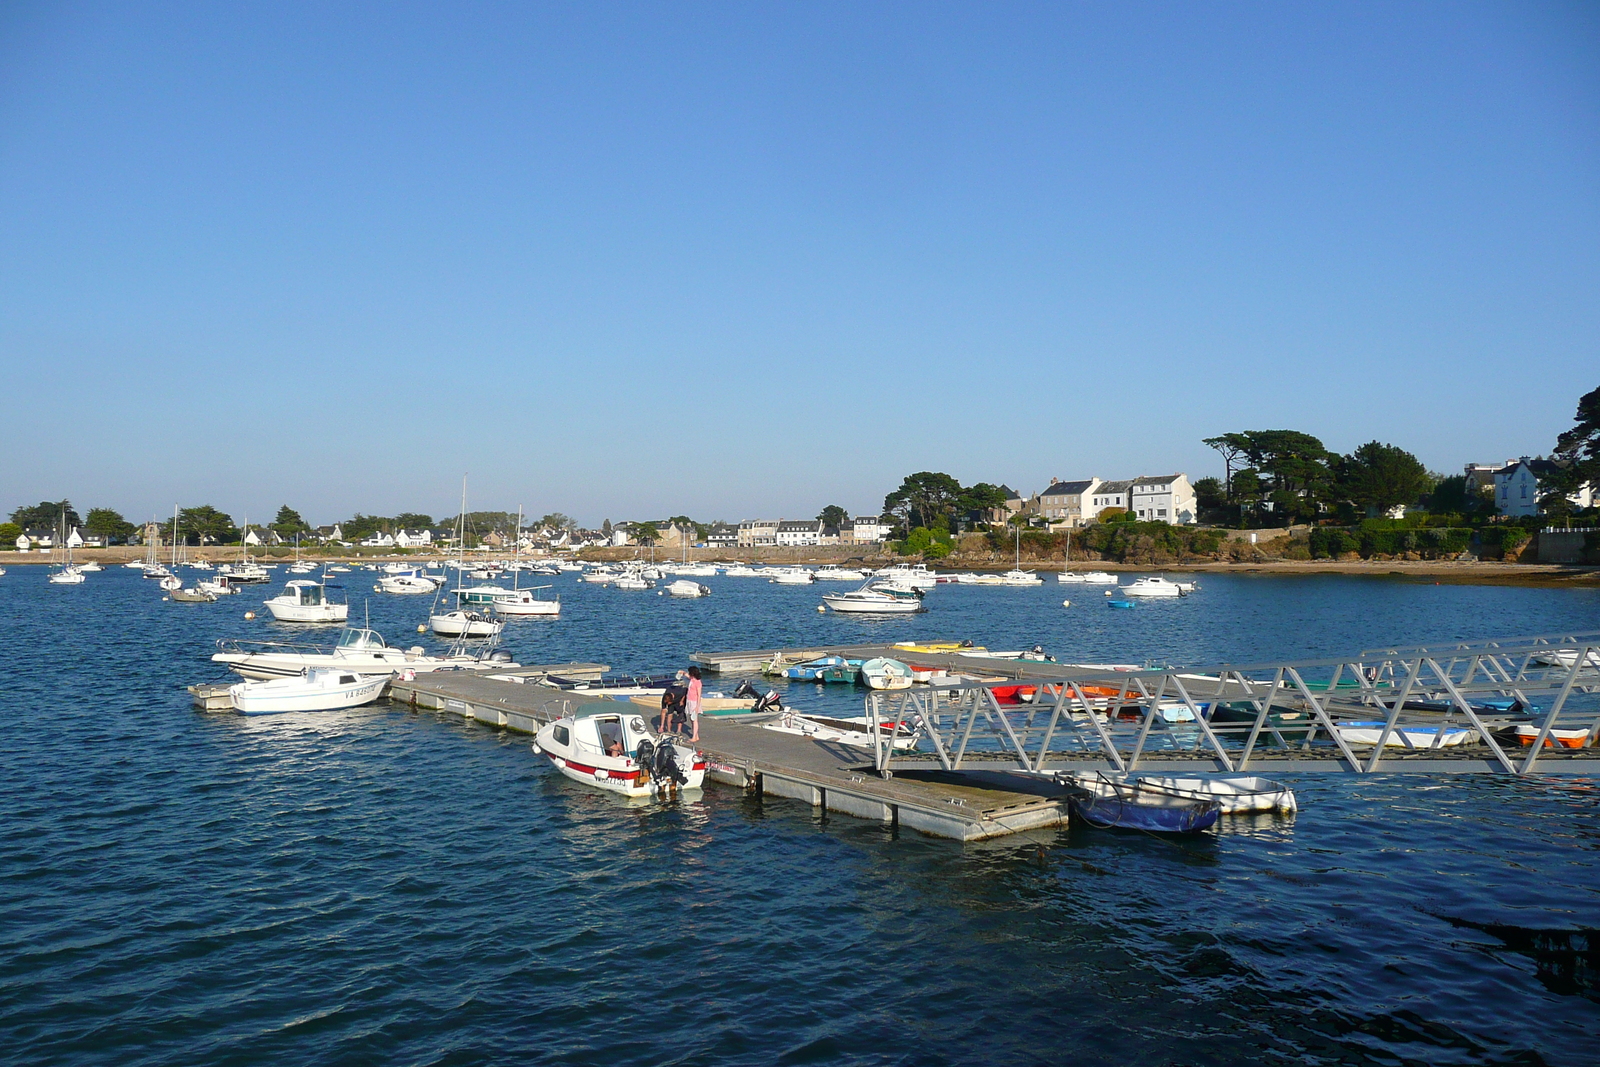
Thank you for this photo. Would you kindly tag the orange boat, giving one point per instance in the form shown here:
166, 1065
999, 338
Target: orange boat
1564, 738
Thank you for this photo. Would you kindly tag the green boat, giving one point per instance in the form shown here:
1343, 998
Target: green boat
1237, 716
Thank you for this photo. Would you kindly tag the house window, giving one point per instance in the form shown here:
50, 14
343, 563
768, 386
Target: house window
1162, 512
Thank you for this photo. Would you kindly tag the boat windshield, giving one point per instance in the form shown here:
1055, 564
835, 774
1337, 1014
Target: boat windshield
311, 594
357, 638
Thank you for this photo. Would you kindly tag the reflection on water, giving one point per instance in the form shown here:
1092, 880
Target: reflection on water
381, 885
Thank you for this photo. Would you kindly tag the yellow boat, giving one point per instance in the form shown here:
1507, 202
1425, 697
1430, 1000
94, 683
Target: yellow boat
940, 646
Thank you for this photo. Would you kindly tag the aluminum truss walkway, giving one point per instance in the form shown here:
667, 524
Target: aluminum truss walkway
1445, 707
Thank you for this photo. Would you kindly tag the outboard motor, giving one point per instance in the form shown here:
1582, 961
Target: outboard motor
666, 764
500, 655
770, 702
646, 758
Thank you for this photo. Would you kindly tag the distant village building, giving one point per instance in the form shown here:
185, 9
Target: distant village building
722, 535
865, 530
1109, 495
793, 532
1516, 486
754, 533
1163, 498
1065, 503
23, 543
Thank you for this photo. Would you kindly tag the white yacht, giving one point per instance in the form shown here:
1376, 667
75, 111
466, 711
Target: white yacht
318, 689
880, 599
358, 649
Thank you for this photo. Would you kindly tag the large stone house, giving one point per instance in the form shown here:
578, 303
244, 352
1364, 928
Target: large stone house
1163, 498
1065, 503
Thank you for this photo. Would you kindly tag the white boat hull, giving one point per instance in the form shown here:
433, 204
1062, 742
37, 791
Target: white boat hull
549, 608
1235, 794
849, 604
463, 624
1366, 733
342, 689
308, 612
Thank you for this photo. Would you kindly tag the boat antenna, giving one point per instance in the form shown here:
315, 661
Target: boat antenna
366, 609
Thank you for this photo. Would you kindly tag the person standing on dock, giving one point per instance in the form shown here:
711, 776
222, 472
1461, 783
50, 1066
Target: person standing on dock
693, 704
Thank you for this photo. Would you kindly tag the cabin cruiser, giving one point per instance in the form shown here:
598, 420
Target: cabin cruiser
615, 751
318, 689
247, 573
1153, 587
358, 649
303, 600
878, 599
838, 574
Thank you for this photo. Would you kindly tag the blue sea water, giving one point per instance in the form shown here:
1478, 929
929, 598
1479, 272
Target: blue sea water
384, 886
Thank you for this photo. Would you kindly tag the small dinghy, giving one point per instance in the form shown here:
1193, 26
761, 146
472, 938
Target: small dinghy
885, 673
1366, 733
193, 596
1527, 733
615, 751
1174, 816
687, 589
1235, 794
855, 730
318, 689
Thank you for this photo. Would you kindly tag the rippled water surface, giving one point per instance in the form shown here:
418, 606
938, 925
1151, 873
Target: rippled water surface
382, 886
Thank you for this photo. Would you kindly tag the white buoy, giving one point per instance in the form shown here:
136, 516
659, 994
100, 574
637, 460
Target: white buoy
821, 608
249, 614
1066, 603
421, 629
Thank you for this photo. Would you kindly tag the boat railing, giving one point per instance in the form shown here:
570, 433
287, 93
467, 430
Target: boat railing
245, 647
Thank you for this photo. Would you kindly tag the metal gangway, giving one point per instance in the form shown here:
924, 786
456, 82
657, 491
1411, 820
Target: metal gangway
1444, 707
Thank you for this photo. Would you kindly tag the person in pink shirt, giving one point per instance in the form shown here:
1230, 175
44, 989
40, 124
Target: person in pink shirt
692, 704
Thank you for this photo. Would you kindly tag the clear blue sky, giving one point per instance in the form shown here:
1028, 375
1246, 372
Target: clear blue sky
623, 260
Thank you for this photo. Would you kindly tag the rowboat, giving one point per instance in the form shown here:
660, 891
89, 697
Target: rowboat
1410, 736
852, 730
1174, 816
1235, 794
1527, 733
884, 673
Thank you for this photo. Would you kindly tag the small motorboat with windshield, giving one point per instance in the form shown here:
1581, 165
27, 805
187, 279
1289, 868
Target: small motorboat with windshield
318, 689
304, 600
876, 599
1153, 587
358, 649
615, 751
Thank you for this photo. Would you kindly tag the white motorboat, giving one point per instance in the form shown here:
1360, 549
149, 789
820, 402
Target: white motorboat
1086, 578
1237, 794
791, 576
193, 595
218, 586
600, 576
838, 574
885, 673
303, 600
740, 570
615, 751
876, 600
632, 582
198, 565
247, 573
464, 624
408, 584
171, 582
1020, 578
1409, 736
912, 576
67, 576
90, 567
853, 730
526, 602
358, 649
698, 570
1153, 587
318, 689
687, 589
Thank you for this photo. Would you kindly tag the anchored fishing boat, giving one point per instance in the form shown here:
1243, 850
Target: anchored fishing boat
615, 751
303, 600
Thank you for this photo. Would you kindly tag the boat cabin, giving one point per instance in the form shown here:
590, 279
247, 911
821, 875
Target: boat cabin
614, 735
305, 594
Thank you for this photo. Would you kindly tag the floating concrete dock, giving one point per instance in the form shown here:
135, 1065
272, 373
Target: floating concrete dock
967, 805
